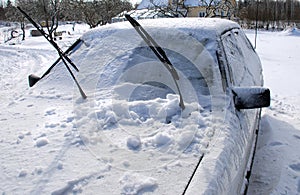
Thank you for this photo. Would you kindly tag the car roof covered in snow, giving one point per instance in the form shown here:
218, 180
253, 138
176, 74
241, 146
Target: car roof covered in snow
207, 27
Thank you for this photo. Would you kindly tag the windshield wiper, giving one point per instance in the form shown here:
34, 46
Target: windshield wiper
62, 55
158, 51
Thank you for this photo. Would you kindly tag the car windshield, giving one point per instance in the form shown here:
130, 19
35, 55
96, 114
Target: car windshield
134, 122
122, 57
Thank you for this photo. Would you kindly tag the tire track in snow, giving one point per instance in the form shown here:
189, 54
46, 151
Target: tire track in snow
276, 167
15, 66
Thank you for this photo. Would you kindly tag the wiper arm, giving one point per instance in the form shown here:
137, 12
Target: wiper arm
47, 36
158, 51
62, 55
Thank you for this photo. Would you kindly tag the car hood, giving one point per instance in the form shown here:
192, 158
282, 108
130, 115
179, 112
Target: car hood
132, 122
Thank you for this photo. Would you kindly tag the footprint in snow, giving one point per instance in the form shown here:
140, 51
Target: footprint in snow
22, 99
295, 167
51, 125
60, 165
22, 173
297, 136
275, 143
50, 112
69, 119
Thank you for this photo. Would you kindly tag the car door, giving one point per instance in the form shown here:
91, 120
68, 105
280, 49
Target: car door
241, 67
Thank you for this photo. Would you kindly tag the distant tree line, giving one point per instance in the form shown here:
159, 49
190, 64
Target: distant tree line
269, 13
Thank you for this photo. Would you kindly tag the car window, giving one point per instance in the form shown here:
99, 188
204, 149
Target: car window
243, 63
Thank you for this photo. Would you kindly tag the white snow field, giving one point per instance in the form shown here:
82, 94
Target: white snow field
50, 143
277, 160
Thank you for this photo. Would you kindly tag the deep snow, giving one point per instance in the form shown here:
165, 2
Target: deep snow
42, 151
276, 167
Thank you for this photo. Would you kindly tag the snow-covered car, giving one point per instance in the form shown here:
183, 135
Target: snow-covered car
134, 121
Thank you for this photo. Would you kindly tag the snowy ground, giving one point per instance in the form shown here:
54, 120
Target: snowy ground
41, 149
277, 160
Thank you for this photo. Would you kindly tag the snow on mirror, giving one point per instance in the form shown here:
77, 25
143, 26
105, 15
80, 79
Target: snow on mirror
133, 121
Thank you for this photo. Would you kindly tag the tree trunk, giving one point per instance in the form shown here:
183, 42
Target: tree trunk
23, 30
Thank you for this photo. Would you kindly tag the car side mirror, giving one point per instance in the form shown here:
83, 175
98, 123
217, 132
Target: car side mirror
251, 97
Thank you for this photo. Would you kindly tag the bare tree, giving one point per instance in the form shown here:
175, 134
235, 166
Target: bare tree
9, 11
45, 12
175, 9
213, 8
11, 16
16, 16
99, 12
270, 13
2, 11
220, 8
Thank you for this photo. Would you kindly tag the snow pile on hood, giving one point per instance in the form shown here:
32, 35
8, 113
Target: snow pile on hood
149, 133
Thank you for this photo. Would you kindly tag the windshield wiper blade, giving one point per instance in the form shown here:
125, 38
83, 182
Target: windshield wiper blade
33, 79
158, 51
62, 55
40, 29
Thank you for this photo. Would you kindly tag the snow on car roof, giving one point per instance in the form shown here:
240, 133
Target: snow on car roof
208, 27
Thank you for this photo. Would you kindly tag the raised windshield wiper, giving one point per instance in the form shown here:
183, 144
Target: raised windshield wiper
62, 55
158, 51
